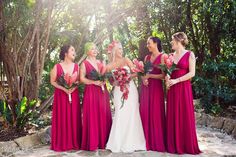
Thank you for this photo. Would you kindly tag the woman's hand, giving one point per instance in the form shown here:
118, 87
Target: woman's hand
167, 77
72, 90
147, 76
144, 80
67, 91
133, 75
167, 81
97, 83
171, 82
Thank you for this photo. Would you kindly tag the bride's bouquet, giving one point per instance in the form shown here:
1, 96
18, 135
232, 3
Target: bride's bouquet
68, 81
142, 68
122, 78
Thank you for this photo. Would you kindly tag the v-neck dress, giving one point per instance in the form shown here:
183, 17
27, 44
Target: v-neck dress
96, 115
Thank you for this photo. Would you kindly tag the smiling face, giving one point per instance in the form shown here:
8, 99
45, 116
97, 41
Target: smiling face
93, 52
118, 51
151, 45
70, 53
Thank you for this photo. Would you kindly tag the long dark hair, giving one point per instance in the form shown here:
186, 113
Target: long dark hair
157, 41
64, 50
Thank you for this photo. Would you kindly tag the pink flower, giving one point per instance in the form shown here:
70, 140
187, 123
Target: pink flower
135, 61
111, 46
70, 79
169, 60
169, 66
139, 66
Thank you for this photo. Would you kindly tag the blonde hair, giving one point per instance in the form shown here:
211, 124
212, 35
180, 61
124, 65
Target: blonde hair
181, 37
88, 46
111, 50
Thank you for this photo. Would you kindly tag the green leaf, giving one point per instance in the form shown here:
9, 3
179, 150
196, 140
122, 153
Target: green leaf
1, 106
23, 105
32, 103
30, 3
7, 115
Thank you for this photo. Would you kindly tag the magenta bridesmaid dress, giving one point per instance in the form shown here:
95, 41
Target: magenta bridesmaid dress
181, 130
66, 118
152, 110
96, 115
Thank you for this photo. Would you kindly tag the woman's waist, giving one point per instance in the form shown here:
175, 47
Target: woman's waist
156, 71
178, 73
155, 80
57, 90
95, 87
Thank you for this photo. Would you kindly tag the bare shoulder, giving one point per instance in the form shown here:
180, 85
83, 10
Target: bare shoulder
54, 70
128, 61
55, 67
110, 66
192, 56
82, 65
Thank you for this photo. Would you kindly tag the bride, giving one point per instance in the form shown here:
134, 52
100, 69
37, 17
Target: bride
127, 132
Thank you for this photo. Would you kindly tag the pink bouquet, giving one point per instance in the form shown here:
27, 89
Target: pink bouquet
169, 66
68, 81
142, 68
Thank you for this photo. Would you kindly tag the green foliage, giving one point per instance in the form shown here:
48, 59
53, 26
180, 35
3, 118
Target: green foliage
167, 70
216, 85
5, 111
46, 89
24, 110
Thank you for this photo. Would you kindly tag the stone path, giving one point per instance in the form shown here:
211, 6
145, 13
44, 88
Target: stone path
212, 142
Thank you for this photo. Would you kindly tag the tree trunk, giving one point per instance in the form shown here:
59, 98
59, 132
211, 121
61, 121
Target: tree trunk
24, 66
2, 33
214, 36
143, 25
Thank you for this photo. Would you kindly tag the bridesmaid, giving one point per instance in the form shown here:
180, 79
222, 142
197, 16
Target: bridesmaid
152, 107
66, 116
181, 130
96, 106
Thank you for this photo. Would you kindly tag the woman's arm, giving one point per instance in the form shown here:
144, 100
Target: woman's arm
84, 80
109, 67
131, 66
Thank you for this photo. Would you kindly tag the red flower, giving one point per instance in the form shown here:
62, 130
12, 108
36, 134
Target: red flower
123, 78
70, 79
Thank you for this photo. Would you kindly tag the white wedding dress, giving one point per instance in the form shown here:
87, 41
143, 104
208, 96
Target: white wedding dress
127, 132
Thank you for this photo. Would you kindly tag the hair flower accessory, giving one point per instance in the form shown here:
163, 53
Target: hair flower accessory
111, 46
